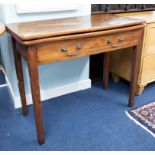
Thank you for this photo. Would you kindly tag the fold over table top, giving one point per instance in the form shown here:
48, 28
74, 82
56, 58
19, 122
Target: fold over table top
27, 31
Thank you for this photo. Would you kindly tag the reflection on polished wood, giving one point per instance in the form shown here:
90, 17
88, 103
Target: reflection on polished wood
48, 41
68, 26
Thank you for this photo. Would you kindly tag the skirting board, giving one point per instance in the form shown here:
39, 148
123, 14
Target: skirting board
55, 92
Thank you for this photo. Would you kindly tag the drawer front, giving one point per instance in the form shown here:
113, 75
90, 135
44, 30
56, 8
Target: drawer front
149, 40
69, 49
148, 69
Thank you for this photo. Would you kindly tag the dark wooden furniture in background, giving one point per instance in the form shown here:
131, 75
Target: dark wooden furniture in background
48, 41
120, 8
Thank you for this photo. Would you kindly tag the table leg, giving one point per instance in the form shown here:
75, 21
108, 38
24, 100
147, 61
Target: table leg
19, 72
134, 75
106, 59
35, 89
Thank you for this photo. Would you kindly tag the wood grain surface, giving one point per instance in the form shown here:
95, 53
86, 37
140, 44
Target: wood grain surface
68, 26
53, 51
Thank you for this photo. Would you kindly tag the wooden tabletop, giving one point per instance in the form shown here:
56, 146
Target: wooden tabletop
148, 16
48, 28
2, 29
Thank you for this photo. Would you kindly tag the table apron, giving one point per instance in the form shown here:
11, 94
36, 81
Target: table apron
77, 48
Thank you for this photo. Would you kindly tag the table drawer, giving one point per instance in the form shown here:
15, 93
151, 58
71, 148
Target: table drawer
69, 49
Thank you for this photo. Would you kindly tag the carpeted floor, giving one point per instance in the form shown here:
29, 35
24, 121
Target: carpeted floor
92, 119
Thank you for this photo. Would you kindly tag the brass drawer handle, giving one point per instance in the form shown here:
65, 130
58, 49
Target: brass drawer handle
73, 54
114, 46
121, 39
78, 46
109, 41
64, 49
111, 44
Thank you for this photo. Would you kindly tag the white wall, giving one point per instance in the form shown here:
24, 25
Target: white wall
56, 78
11, 15
2, 14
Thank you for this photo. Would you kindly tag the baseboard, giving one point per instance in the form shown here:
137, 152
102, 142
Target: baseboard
48, 93
55, 92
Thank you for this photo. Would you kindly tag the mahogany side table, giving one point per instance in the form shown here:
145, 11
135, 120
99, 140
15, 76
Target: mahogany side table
47, 41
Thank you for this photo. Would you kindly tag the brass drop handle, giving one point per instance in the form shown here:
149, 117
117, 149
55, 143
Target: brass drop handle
114, 46
64, 49
121, 39
78, 46
111, 43
73, 54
